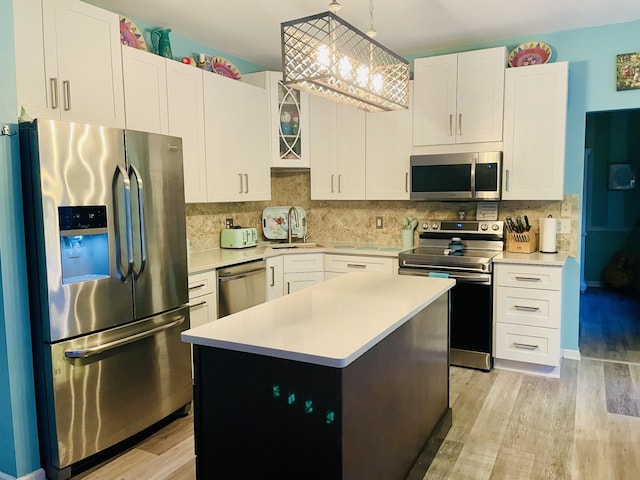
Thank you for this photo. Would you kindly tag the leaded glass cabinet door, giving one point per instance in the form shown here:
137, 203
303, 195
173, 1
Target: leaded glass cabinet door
292, 125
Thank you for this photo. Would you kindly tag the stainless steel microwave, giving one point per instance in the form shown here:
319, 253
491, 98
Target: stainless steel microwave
456, 176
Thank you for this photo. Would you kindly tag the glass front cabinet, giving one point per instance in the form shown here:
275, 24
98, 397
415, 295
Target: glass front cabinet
289, 110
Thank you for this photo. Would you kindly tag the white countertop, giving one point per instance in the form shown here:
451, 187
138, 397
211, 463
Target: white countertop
203, 260
331, 323
535, 258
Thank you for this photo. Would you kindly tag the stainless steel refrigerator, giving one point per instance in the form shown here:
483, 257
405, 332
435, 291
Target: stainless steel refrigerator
106, 246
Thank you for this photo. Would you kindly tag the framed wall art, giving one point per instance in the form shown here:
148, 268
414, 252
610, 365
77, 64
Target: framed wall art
628, 71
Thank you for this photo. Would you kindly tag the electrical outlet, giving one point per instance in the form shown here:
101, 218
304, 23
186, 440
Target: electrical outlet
564, 226
379, 223
565, 210
228, 223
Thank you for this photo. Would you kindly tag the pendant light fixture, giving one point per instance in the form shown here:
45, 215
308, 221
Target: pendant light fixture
325, 55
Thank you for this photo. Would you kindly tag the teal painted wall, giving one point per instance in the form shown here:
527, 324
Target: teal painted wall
18, 431
591, 53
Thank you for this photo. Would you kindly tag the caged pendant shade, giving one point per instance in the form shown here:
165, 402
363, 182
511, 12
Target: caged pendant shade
325, 55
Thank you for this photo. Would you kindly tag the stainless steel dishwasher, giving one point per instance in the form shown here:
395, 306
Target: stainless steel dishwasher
241, 286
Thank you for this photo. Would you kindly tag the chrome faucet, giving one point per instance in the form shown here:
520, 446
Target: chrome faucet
292, 213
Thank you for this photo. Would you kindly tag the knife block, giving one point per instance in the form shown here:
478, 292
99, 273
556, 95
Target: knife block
522, 242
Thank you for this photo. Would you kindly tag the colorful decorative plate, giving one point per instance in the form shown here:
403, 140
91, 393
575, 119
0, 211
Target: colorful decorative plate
224, 67
130, 34
530, 53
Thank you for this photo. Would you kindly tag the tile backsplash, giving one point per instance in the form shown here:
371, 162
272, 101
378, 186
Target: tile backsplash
354, 221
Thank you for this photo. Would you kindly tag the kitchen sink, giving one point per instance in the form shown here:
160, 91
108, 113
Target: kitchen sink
296, 246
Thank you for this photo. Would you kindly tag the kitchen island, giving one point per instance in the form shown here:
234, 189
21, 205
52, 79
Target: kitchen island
348, 379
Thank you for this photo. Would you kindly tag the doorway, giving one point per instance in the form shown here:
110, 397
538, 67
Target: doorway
610, 297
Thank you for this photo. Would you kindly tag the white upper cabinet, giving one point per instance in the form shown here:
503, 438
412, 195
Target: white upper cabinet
458, 98
236, 140
68, 62
388, 148
535, 111
145, 91
337, 143
289, 120
185, 102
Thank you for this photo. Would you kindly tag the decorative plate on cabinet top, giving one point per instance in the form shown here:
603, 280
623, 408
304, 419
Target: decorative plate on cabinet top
131, 35
530, 53
224, 67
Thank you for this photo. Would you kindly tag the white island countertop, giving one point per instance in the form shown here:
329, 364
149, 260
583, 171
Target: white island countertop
331, 323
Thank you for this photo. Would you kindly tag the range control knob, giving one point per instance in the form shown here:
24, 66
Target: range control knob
425, 226
495, 227
434, 226
484, 227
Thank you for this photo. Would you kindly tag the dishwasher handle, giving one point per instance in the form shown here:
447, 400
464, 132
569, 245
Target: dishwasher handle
228, 278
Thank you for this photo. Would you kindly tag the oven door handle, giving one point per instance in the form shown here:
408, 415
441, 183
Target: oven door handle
459, 278
444, 270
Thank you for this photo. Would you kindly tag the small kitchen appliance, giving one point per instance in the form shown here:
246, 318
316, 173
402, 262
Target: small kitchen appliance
238, 237
464, 251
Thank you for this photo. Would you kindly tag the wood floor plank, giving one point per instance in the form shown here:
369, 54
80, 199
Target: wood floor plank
445, 460
619, 391
161, 441
512, 464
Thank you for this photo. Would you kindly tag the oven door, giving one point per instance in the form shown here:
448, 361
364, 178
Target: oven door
471, 330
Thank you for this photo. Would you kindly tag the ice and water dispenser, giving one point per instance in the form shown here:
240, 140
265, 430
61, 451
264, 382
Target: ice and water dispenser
84, 243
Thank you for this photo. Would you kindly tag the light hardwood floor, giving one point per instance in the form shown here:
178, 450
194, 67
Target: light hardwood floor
506, 425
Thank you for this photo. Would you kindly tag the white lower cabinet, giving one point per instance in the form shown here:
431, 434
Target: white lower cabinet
527, 315
302, 270
275, 277
203, 301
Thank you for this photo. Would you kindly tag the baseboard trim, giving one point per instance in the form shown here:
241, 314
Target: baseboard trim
525, 367
35, 475
594, 283
571, 354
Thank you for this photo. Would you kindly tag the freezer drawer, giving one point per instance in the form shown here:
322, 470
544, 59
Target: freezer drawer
106, 387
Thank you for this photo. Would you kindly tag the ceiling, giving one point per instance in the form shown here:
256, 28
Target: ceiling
250, 29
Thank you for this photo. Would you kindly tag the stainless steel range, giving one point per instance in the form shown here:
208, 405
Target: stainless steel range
464, 251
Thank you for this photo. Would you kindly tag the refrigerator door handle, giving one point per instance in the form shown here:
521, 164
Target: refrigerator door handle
123, 272
89, 352
133, 172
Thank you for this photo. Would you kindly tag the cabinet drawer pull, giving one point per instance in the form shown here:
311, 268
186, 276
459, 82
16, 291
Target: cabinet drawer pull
526, 308
526, 346
199, 285
355, 265
199, 304
54, 92
66, 86
528, 279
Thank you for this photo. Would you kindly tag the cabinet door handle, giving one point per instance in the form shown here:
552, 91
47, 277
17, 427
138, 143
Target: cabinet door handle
288, 288
506, 180
406, 182
273, 276
241, 186
246, 183
66, 87
528, 279
451, 124
526, 308
356, 265
54, 92
459, 124
526, 346
199, 304
197, 285
332, 191
339, 183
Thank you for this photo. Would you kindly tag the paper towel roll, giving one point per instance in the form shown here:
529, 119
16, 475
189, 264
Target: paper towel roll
548, 230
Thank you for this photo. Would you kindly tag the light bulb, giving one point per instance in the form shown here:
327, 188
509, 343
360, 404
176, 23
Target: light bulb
377, 82
345, 67
334, 7
323, 56
362, 75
